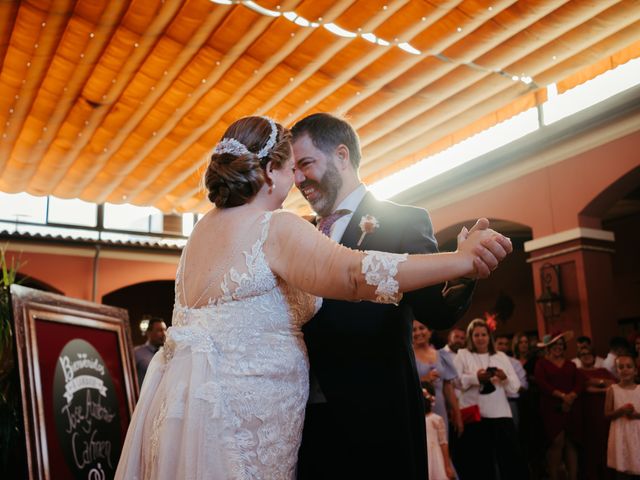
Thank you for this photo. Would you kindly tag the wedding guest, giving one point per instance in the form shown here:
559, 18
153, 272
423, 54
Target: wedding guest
440, 466
559, 384
489, 443
583, 342
455, 341
595, 426
622, 406
520, 348
617, 346
502, 345
156, 334
436, 367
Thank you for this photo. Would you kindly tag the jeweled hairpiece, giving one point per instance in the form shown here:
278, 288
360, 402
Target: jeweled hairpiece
235, 147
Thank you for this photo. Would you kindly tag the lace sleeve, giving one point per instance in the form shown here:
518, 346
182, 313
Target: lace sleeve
380, 270
313, 263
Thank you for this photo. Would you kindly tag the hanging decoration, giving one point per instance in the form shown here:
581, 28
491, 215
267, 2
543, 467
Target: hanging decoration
368, 36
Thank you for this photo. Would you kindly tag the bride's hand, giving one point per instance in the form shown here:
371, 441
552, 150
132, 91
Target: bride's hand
484, 249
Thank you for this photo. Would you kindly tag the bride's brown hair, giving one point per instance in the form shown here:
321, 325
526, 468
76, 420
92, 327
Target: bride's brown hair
234, 179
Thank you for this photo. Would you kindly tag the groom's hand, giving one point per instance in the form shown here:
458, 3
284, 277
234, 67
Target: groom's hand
490, 252
481, 224
482, 268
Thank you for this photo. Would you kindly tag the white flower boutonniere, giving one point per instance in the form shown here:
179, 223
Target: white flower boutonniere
368, 224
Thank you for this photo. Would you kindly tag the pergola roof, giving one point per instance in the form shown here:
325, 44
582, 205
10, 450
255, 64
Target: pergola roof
122, 101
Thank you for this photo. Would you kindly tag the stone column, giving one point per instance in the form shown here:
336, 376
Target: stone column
584, 256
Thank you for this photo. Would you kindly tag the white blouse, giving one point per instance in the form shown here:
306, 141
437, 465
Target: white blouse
494, 404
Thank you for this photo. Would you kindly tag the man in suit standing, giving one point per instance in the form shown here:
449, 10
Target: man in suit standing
156, 335
365, 416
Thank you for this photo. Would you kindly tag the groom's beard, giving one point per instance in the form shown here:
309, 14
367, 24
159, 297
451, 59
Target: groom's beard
326, 190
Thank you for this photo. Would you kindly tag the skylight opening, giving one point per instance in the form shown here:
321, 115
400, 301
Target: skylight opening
557, 107
458, 154
590, 93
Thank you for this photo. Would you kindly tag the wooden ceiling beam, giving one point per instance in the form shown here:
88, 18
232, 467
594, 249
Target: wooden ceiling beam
504, 25
604, 48
92, 149
33, 43
464, 81
565, 46
319, 61
372, 119
238, 96
258, 28
8, 14
136, 123
57, 95
350, 72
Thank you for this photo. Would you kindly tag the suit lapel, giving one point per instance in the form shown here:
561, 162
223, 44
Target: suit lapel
352, 233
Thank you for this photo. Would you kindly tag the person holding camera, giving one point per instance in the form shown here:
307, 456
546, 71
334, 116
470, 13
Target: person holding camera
489, 443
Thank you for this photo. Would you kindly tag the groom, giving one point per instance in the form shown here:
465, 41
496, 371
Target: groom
365, 416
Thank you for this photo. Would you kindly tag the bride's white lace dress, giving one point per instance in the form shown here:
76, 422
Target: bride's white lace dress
225, 397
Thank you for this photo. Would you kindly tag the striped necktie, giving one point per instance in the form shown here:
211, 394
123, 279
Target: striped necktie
325, 223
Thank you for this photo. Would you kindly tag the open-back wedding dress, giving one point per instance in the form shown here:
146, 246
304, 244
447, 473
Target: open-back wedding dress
225, 397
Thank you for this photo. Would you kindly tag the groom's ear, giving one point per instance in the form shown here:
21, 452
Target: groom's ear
342, 154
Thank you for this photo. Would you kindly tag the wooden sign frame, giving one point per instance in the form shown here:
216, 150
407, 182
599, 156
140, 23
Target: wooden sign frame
44, 323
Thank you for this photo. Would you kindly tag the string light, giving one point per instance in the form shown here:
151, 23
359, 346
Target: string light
293, 17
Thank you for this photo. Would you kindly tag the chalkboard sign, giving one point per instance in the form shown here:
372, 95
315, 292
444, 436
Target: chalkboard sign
78, 377
85, 408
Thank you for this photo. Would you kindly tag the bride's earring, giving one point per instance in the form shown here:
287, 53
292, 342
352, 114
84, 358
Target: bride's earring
271, 187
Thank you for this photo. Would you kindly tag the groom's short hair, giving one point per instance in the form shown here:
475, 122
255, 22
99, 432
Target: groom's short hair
328, 132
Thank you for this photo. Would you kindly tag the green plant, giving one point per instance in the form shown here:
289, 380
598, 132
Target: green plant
10, 416
6, 332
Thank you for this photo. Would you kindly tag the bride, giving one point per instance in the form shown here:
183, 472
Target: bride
225, 397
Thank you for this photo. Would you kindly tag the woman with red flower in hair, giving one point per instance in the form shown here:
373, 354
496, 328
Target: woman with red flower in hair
489, 439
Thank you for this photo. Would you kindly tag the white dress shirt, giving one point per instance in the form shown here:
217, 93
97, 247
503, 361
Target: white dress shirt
351, 202
599, 362
522, 376
610, 363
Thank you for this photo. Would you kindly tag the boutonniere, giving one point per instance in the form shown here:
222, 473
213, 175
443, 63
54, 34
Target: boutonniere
368, 224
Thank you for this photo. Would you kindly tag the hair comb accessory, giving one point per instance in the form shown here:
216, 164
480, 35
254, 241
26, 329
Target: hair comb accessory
232, 146
235, 147
272, 139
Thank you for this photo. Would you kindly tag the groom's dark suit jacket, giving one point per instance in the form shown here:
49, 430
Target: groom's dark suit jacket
361, 354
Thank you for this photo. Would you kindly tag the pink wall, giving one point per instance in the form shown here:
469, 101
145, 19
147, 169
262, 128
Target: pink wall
551, 199
73, 275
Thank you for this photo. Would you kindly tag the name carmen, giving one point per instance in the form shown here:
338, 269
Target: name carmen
86, 451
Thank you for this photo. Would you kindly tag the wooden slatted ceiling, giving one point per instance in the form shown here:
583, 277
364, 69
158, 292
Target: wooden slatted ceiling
122, 101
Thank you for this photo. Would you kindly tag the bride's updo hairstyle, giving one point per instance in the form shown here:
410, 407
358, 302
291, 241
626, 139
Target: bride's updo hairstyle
236, 171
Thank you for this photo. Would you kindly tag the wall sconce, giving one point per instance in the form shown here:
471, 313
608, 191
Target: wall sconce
550, 301
144, 325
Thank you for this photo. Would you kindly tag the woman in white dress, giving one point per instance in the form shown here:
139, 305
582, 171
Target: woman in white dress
225, 397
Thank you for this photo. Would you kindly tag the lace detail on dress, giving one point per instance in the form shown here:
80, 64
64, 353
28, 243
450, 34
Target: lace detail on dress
258, 274
155, 436
380, 269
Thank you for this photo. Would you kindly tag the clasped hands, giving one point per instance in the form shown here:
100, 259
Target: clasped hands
486, 247
567, 399
629, 411
486, 376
